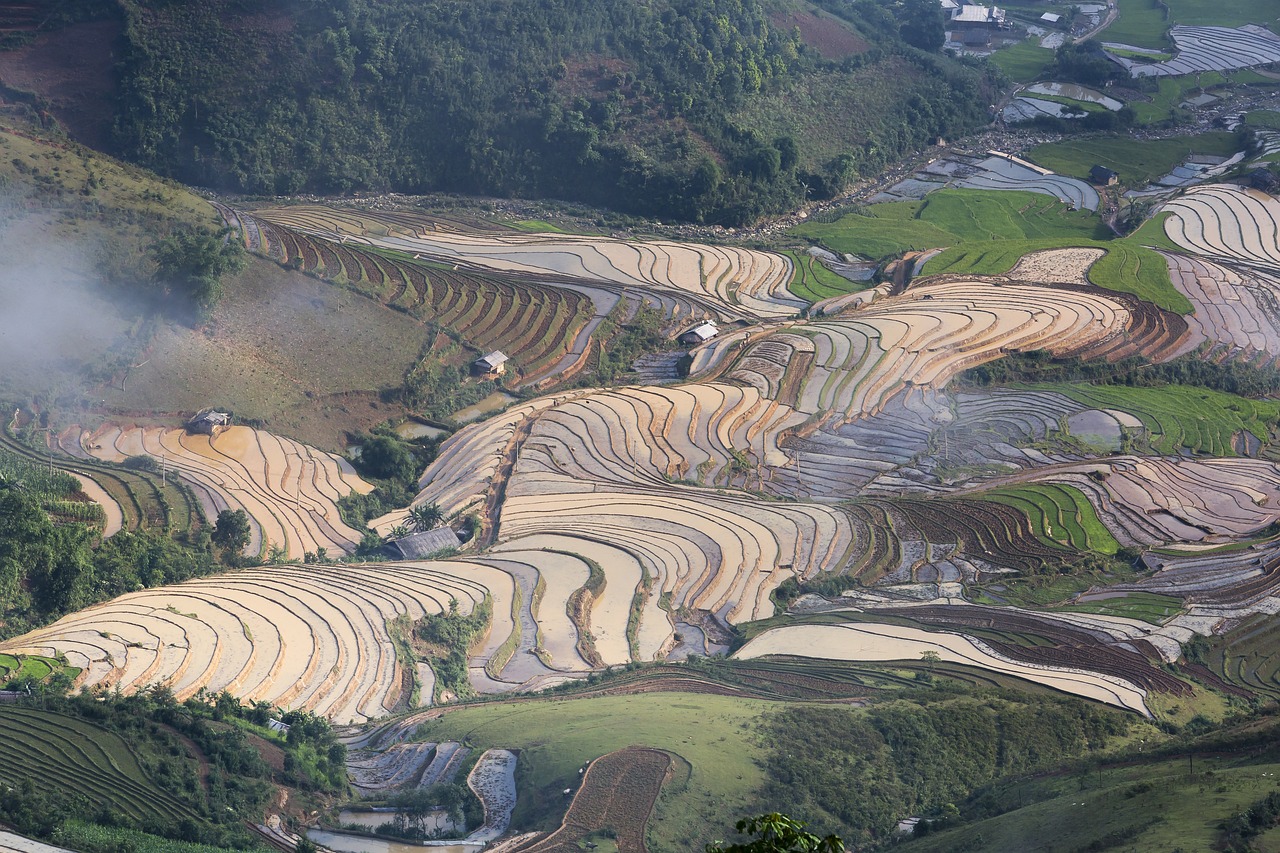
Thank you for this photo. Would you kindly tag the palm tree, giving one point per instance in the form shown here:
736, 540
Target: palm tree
397, 532
425, 516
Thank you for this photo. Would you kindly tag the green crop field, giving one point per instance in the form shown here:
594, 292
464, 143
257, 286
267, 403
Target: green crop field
79, 758
1060, 513
1128, 266
1149, 607
1266, 119
1137, 161
814, 282
1024, 62
1219, 14
1140, 23
951, 217
1177, 416
713, 734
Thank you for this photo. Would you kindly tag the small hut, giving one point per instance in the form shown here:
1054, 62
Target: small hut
490, 365
1103, 177
209, 422
417, 546
700, 334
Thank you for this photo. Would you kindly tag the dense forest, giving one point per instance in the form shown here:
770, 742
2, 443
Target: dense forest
637, 106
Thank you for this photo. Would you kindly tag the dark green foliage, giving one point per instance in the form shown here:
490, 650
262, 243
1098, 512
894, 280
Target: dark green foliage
777, 833
47, 570
625, 344
1261, 816
1233, 377
190, 264
415, 805
632, 105
923, 24
449, 636
866, 770
231, 533
160, 734
386, 458
1084, 63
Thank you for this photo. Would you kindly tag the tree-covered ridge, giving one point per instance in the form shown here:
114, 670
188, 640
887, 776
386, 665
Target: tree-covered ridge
636, 105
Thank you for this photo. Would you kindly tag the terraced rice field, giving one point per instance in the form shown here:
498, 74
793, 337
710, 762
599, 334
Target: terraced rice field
1202, 49
741, 282
883, 642
312, 637
142, 499
1236, 307
80, 758
289, 490
1199, 419
1227, 223
543, 328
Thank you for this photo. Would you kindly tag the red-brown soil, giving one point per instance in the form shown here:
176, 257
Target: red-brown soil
71, 68
618, 793
825, 34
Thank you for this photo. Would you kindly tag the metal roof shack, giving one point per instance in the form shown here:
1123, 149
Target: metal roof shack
1051, 17
491, 364
989, 15
700, 334
417, 546
208, 422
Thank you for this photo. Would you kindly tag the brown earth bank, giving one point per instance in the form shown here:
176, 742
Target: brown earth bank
305, 357
832, 38
615, 800
73, 69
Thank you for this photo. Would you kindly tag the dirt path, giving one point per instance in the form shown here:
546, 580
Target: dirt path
111, 509
1113, 12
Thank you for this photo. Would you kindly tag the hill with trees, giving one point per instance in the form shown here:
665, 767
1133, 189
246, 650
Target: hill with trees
633, 105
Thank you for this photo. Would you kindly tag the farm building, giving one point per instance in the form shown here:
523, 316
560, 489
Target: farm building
700, 334
492, 364
209, 422
1051, 17
417, 546
1103, 176
983, 17
1264, 179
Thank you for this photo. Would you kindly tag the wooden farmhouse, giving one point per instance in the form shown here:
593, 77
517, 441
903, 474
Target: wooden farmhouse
491, 365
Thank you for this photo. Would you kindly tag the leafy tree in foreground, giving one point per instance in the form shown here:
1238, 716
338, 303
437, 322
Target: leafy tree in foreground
777, 833
231, 532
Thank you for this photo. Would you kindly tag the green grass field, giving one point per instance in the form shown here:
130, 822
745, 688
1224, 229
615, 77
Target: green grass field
79, 758
1024, 61
1177, 416
1137, 161
952, 217
1060, 513
714, 735
1219, 14
1151, 806
1140, 23
1266, 119
814, 282
1127, 267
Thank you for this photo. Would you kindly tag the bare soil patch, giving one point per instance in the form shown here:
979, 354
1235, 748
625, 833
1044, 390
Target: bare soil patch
304, 356
830, 37
72, 68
